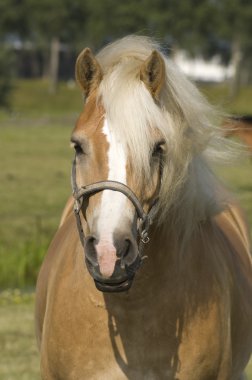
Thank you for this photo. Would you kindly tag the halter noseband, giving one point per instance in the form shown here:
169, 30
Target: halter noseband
144, 220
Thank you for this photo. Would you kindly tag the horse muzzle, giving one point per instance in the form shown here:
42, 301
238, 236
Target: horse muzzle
112, 267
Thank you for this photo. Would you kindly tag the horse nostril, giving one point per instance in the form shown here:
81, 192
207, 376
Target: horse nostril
126, 248
90, 250
126, 252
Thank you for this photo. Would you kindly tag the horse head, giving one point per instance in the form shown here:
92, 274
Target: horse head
115, 201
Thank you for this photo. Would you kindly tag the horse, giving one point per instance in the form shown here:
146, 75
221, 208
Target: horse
149, 275
241, 127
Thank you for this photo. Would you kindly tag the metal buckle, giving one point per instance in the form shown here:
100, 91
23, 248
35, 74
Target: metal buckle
145, 237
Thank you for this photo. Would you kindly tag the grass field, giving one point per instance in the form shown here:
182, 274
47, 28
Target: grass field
36, 183
19, 357
35, 161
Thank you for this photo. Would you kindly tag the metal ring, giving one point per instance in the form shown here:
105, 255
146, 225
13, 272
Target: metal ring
145, 240
144, 237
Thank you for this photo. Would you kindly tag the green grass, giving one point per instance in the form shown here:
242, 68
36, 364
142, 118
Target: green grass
35, 161
219, 96
31, 98
35, 180
19, 357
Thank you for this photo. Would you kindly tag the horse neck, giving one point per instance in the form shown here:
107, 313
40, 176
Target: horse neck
162, 254
172, 272
182, 254
162, 240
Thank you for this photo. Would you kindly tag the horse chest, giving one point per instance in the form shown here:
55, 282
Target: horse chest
112, 339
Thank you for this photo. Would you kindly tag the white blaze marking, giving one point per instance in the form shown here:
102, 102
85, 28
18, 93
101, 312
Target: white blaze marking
113, 204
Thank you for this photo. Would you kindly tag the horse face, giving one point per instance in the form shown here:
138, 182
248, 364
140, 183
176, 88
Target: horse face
109, 217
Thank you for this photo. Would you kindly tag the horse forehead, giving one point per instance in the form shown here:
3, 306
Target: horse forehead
91, 118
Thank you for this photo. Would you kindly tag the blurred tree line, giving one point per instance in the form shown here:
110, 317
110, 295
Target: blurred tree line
43, 34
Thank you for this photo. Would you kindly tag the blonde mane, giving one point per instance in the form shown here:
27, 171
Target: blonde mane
183, 118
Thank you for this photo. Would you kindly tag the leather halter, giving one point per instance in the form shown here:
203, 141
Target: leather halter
143, 220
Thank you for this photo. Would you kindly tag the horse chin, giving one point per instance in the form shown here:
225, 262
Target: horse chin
120, 281
114, 287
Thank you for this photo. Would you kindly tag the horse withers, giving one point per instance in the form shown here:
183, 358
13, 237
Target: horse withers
149, 275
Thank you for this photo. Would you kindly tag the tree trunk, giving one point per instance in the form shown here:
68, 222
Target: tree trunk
54, 64
236, 61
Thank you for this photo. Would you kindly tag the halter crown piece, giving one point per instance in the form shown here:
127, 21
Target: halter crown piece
143, 220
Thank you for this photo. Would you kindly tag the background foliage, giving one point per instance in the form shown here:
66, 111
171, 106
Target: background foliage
43, 32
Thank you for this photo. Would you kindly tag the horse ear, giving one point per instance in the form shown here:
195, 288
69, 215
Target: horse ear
88, 72
152, 73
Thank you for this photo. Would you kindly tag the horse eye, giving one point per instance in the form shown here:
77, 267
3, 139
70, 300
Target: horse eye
78, 149
158, 149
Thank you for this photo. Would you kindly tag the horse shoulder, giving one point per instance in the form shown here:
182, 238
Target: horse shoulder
233, 225
47, 273
68, 209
